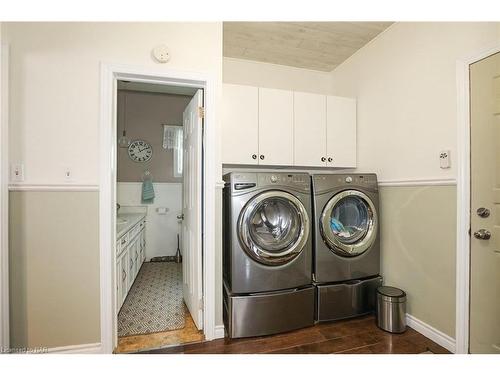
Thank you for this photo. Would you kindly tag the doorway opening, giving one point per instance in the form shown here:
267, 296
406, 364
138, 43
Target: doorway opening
197, 239
157, 162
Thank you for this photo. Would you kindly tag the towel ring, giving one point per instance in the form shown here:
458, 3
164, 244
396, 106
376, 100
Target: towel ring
147, 175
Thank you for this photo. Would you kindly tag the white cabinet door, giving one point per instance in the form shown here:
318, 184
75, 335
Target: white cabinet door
240, 124
275, 127
143, 244
341, 132
309, 129
131, 266
122, 275
137, 254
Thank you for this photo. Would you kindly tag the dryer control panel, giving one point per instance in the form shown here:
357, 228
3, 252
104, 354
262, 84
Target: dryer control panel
328, 181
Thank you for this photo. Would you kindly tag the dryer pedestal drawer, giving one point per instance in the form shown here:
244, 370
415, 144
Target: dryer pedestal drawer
347, 299
268, 313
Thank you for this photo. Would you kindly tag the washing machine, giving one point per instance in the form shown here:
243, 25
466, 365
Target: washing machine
346, 244
267, 253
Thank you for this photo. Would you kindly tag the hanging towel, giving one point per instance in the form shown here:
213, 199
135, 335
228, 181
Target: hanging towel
148, 192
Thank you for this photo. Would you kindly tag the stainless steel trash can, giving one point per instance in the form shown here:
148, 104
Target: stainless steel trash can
391, 309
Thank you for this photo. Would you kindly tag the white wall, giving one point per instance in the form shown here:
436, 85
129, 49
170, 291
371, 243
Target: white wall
405, 83
162, 230
55, 81
253, 73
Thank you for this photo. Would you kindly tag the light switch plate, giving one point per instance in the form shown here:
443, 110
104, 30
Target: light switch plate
17, 172
68, 174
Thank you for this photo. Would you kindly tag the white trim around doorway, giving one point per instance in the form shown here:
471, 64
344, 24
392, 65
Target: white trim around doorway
110, 73
4, 197
463, 199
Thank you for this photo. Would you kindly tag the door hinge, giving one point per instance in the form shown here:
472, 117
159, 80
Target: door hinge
201, 112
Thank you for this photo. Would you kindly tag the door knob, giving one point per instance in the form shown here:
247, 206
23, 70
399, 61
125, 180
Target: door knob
482, 234
180, 217
483, 212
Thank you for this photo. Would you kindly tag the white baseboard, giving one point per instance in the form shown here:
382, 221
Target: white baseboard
219, 332
432, 333
94, 348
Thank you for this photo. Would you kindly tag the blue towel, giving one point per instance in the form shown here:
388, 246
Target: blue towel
336, 225
148, 192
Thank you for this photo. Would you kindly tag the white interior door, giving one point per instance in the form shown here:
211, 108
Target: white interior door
485, 195
191, 209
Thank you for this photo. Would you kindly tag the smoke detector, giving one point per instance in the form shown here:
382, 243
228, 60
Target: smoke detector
161, 53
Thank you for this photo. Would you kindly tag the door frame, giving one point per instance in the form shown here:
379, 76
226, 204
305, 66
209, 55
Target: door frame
110, 73
464, 198
4, 197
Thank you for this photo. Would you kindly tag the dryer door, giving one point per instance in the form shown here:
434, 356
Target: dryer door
273, 227
348, 223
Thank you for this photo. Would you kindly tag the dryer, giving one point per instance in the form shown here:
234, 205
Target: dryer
346, 244
267, 253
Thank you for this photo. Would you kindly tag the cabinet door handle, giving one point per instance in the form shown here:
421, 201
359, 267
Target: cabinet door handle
330, 160
323, 159
123, 241
261, 157
254, 156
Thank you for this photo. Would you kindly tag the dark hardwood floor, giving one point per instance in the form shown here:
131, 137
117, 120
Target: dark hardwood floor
353, 336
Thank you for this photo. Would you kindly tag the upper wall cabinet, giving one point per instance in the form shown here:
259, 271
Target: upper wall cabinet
310, 129
341, 132
240, 116
275, 123
279, 127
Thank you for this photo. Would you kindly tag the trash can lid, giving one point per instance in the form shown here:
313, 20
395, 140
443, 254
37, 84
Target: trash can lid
391, 292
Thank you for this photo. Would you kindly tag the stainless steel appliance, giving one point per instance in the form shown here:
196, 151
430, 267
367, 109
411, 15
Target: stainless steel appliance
346, 244
267, 253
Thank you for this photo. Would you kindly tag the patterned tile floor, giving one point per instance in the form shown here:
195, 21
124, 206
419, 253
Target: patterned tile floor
154, 315
155, 302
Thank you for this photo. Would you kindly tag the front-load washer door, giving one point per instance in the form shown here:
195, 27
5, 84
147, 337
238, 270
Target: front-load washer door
348, 223
273, 227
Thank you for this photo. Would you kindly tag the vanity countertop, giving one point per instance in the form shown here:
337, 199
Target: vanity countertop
126, 221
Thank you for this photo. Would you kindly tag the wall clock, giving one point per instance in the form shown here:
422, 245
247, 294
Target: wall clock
140, 151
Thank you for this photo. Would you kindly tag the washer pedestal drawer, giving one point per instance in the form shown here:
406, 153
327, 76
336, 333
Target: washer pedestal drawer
268, 313
346, 299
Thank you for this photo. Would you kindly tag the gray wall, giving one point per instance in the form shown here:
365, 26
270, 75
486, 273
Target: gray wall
144, 113
54, 269
418, 241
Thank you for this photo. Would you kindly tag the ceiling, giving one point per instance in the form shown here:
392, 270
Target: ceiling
310, 45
